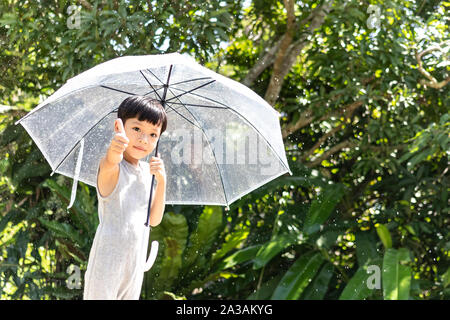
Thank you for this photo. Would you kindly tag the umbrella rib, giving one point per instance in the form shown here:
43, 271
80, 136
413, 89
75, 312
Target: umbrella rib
149, 85
70, 151
242, 117
256, 129
155, 76
199, 105
32, 112
190, 80
186, 92
183, 117
110, 88
190, 90
173, 84
212, 149
59, 164
206, 98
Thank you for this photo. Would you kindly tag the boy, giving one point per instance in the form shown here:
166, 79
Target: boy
117, 257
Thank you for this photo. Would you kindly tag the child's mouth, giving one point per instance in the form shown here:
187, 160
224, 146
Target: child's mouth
139, 149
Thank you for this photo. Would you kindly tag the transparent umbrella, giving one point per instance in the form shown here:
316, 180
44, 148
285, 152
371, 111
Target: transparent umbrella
222, 140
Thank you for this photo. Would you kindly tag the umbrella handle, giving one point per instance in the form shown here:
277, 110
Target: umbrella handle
152, 257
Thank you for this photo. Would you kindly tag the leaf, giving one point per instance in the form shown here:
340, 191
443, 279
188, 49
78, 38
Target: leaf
80, 218
396, 275
203, 237
173, 225
266, 289
357, 14
357, 288
419, 157
171, 263
172, 234
123, 11
297, 278
210, 36
322, 207
366, 249
14, 215
384, 235
327, 239
272, 248
63, 230
11, 133
234, 240
443, 140
240, 256
319, 286
8, 19
276, 184
22, 243
446, 278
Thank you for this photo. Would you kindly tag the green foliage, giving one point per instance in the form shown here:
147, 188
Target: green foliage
272, 248
396, 274
320, 283
298, 277
384, 235
322, 207
356, 288
373, 192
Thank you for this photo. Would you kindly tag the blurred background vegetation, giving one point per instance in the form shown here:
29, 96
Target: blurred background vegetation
364, 98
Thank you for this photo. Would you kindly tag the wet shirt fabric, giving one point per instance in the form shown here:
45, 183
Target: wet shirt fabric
117, 258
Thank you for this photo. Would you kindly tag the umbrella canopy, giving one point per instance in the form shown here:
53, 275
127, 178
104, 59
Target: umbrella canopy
222, 140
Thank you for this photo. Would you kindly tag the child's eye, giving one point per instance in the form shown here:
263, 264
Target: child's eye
136, 128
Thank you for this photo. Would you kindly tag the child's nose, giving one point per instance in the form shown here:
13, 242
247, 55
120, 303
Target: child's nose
143, 138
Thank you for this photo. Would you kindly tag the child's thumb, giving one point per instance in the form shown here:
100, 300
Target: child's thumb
120, 126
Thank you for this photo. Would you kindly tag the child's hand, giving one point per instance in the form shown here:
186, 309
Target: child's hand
118, 144
157, 168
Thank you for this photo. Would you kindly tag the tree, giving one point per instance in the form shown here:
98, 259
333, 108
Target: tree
366, 128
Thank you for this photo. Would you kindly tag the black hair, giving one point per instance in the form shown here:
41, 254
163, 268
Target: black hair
144, 108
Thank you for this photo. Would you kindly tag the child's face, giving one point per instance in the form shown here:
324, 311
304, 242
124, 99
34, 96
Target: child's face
143, 137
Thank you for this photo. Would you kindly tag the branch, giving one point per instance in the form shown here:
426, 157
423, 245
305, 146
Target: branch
321, 140
316, 19
307, 117
347, 112
433, 83
85, 4
277, 74
263, 62
288, 53
277, 52
331, 151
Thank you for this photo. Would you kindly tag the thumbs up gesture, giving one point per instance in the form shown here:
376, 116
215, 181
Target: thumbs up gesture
118, 144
